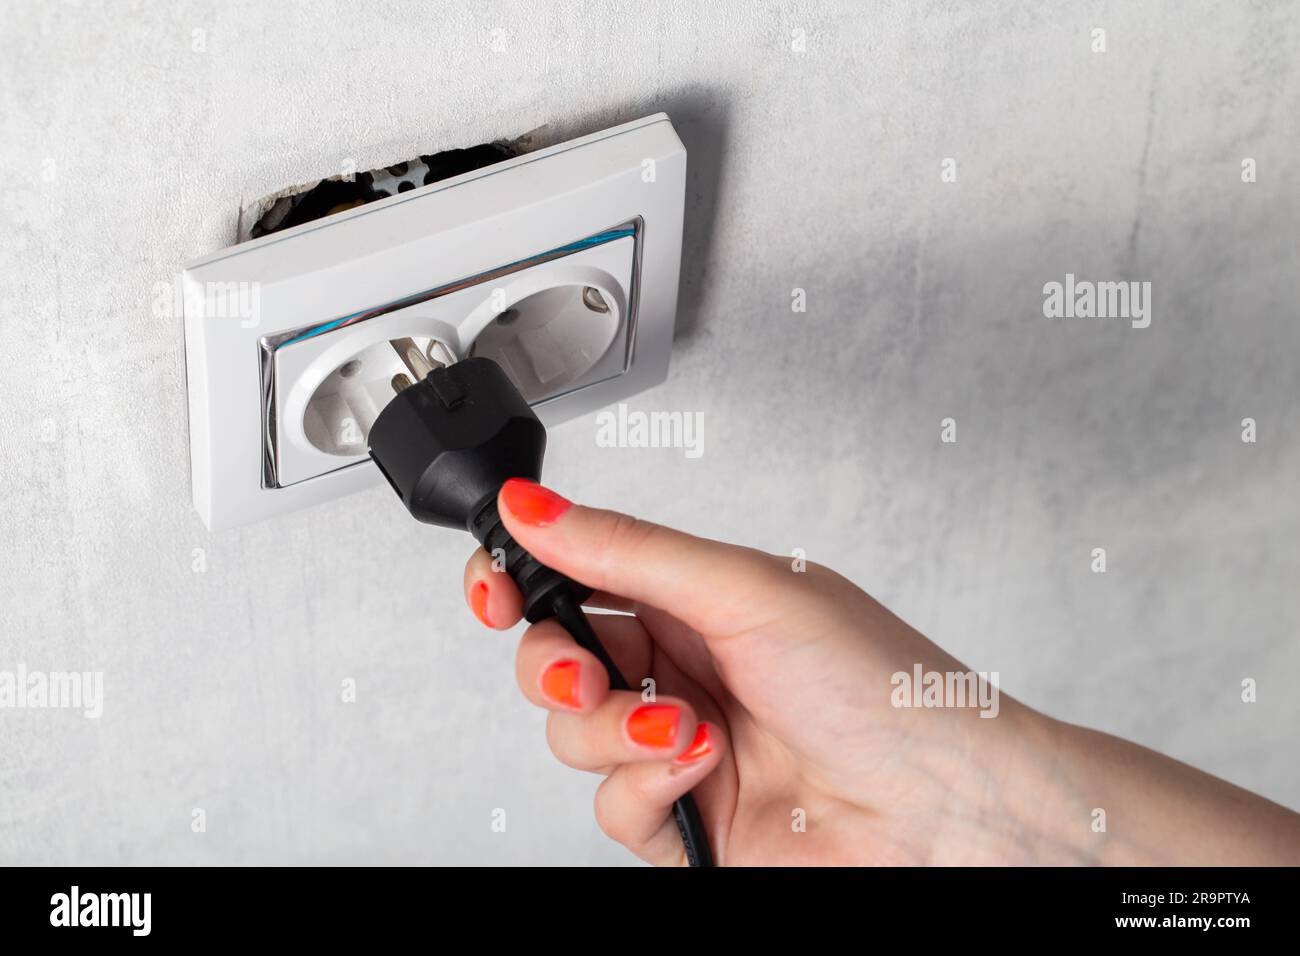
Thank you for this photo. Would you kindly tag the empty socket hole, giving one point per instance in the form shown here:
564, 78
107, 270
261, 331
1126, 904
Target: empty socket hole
553, 338
340, 412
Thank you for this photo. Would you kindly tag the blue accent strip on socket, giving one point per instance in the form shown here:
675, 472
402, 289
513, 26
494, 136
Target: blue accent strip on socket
597, 240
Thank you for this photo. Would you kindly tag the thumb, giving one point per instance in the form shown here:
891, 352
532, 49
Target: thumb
717, 589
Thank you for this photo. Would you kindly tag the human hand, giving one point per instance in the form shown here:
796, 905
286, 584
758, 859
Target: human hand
774, 702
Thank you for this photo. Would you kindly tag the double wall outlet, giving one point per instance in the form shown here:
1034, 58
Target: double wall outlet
562, 265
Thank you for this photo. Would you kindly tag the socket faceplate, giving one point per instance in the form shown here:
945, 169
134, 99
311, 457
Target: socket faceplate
458, 260
462, 320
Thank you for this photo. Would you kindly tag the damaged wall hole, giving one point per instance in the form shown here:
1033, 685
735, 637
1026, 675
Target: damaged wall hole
295, 206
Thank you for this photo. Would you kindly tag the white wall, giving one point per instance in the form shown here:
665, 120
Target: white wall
818, 170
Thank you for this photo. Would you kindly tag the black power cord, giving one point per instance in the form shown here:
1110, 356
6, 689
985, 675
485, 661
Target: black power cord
447, 443
685, 812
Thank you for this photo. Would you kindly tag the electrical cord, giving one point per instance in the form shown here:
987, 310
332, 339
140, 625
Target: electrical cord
447, 442
689, 822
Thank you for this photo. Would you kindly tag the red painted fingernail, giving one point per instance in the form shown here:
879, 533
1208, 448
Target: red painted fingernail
654, 725
700, 747
532, 504
478, 598
560, 683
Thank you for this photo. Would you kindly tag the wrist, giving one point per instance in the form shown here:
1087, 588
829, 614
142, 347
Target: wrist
1017, 801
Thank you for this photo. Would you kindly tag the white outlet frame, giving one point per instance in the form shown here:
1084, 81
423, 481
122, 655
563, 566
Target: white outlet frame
469, 226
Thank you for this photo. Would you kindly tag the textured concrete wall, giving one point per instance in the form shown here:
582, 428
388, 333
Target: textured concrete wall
130, 139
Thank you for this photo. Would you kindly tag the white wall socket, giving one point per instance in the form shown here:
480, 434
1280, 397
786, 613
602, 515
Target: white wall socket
561, 264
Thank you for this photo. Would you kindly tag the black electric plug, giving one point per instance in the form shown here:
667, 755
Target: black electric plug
447, 443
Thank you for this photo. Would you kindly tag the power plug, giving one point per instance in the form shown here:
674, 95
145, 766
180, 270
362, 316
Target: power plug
452, 435
448, 442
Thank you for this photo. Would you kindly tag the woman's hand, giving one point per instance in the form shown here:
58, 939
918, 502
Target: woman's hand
774, 701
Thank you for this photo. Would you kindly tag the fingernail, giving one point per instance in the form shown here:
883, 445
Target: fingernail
532, 504
654, 725
560, 683
700, 747
478, 600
